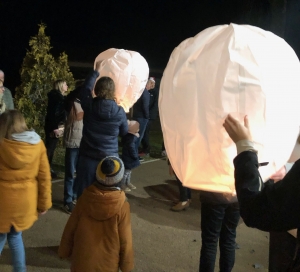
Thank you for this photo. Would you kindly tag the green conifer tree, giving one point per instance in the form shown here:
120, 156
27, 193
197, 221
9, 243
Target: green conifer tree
38, 72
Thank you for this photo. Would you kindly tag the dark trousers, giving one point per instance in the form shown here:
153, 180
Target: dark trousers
85, 173
218, 224
184, 192
50, 144
145, 140
71, 158
143, 124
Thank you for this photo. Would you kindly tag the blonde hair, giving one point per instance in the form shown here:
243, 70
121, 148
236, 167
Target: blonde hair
11, 121
58, 84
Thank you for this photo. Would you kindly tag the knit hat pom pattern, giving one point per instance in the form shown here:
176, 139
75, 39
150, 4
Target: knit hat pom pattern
110, 171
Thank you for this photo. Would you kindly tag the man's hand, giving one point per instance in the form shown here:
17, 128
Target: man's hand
236, 130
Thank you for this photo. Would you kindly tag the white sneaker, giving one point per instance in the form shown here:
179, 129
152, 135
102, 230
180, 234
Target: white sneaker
131, 186
127, 189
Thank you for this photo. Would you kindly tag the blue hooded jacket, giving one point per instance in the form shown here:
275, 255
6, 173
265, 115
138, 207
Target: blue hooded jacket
103, 122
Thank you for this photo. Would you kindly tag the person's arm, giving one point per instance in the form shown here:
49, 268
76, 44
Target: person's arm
8, 99
154, 105
125, 235
44, 182
271, 207
123, 129
85, 93
132, 150
145, 103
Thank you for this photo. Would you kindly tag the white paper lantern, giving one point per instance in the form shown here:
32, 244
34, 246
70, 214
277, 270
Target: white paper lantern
130, 72
236, 69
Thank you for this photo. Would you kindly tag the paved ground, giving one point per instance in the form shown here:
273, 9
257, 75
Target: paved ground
164, 241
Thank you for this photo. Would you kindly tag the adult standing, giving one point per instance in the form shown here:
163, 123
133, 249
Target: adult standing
153, 113
55, 116
7, 97
103, 122
141, 112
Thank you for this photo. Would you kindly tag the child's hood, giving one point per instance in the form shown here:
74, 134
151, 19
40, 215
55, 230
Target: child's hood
18, 154
102, 205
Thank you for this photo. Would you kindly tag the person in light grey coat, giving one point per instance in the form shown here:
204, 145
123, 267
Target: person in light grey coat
7, 97
72, 139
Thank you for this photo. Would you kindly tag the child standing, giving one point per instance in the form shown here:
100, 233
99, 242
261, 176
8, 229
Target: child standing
25, 183
130, 155
98, 235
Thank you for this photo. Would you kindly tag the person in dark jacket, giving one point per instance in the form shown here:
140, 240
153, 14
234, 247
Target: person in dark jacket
270, 206
153, 113
103, 122
54, 117
141, 112
130, 155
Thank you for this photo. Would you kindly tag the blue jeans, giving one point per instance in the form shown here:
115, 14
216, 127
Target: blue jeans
218, 223
16, 246
71, 158
86, 173
184, 193
143, 124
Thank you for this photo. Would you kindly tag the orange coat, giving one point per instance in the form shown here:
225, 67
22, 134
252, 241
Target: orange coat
25, 184
98, 235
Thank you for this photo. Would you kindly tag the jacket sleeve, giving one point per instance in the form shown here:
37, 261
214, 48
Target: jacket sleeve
85, 93
153, 108
8, 99
44, 182
60, 113
270, 206
123, 129
67, 239
125, 235
132, 150
145, 103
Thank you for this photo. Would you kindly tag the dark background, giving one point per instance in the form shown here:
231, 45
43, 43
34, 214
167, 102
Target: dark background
83, 29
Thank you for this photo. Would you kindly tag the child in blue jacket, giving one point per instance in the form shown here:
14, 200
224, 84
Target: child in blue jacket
130, 155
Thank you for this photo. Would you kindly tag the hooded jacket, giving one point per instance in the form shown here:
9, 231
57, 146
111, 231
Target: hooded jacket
103, 122
25, 181
55, 111
98, 235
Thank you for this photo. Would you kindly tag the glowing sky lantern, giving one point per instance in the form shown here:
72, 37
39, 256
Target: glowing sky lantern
129, 70
236, 69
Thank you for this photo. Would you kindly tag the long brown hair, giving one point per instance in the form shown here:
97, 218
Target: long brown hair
11, 121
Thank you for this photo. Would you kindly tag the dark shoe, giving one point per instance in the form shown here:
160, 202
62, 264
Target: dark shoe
180, 206
141, 159
53, 174
68, 208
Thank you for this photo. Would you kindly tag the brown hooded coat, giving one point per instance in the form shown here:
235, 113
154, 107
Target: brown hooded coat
98, 235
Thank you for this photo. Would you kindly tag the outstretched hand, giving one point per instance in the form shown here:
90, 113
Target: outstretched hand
98, 65
236, 130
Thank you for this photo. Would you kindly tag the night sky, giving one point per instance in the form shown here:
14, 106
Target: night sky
83, 29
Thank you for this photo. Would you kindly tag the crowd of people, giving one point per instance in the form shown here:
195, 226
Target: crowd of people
97, 236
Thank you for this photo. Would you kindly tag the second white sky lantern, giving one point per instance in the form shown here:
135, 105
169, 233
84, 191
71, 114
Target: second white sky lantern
129, 71
236, 69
